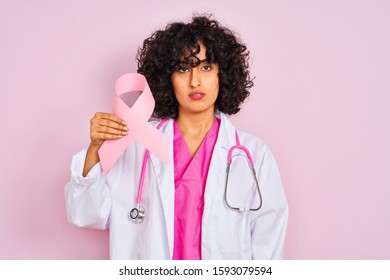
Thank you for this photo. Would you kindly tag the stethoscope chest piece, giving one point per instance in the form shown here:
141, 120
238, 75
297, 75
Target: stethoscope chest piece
137, 214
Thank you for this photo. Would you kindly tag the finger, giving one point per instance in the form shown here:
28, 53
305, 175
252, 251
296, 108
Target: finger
109, 130
111, 124
98, 137
99, 133
107, 136
110, 117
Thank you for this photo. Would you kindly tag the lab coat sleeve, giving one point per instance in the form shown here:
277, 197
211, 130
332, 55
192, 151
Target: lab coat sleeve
269, 224
88, 200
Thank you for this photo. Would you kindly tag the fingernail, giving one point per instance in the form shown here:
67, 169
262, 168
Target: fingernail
124, 123
124, 133
125, 128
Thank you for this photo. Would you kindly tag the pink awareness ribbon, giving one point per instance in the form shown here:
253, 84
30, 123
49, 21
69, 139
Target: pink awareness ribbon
137, 118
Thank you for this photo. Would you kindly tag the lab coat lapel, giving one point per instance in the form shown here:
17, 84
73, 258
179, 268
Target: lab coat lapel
165, 182
217, 170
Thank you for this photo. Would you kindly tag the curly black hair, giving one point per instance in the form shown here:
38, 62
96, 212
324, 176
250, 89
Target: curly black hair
162, 52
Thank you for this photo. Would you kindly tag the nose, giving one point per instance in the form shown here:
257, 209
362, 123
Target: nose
195, 78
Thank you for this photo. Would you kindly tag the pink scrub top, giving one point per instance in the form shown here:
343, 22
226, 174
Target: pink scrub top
190, 181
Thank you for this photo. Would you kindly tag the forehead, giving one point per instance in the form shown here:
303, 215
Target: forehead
194, 56
199, 50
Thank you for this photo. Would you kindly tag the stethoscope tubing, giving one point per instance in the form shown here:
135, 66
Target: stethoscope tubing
145, 161
238, 146
137, 213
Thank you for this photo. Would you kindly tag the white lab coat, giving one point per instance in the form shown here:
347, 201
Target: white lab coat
100, 201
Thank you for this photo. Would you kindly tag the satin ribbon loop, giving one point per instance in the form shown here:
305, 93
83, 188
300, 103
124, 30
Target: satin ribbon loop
137, 120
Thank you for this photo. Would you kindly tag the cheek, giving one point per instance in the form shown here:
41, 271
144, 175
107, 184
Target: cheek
175, 85
173, 81
178, 90
178, 80
215, 83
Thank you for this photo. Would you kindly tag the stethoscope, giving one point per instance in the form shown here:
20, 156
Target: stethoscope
137, 214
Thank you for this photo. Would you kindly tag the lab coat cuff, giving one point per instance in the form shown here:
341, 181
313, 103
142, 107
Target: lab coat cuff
77, 168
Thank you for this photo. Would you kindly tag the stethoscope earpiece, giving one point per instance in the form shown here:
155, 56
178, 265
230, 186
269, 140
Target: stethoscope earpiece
137, 214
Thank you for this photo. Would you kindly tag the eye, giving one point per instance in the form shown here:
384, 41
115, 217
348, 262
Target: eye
183, 69
207, 68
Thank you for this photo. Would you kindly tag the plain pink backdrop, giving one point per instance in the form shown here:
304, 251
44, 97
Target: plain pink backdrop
321, 101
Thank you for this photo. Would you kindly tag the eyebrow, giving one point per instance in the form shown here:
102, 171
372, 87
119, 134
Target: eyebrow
192, 63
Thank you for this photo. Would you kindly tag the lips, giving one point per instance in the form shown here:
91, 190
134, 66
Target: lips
196, 95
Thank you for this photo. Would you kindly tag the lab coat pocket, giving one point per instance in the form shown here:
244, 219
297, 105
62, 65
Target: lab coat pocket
233, 231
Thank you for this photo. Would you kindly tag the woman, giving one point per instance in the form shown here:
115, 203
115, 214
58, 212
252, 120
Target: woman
198, 73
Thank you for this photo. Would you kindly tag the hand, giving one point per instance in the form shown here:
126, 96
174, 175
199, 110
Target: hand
106, 126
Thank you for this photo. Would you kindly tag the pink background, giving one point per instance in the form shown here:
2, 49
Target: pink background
321, 101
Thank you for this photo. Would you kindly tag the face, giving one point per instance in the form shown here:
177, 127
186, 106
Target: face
196, 88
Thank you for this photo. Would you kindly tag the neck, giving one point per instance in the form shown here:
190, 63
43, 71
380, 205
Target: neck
195, 124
